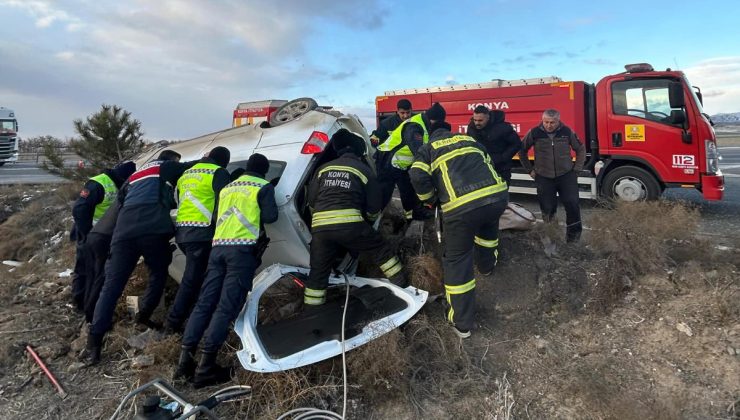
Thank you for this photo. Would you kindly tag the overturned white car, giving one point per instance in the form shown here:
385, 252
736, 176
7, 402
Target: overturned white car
296, 143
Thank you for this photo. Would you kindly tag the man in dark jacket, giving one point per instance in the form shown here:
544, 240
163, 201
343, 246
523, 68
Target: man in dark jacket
555, 172
455, 172
501, 141
395, 156
245, 206
95, 198
143, 228
345, 199
198, 190
403, 113
97, 251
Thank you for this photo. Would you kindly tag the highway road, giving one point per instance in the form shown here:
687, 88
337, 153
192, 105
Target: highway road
26, 173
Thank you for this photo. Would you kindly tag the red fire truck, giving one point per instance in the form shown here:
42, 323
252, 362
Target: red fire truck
255, 112
644, 130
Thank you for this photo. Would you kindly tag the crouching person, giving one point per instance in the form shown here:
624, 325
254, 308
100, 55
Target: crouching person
244, 206
346, 199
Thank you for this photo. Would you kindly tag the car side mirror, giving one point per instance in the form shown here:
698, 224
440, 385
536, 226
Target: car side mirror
675, 95
678, 117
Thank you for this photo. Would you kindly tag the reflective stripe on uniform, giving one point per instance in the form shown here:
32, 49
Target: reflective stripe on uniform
425, 196
455, 153
422, 166
333, 217
391, 267
233, 211
349, 169
460, 289
459, 201
200, 207
486, 243
314, 296
408, 214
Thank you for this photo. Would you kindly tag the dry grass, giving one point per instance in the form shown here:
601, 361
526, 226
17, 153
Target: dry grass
426, 273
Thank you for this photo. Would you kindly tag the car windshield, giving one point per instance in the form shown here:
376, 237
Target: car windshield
7, 126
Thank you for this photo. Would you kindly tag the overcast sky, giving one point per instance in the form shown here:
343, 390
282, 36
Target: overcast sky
182, 66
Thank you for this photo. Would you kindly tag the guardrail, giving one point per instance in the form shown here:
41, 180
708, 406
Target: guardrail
36, 155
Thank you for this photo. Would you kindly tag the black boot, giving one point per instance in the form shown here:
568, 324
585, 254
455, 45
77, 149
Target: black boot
186, 365
400, 280
209, 372
91, 354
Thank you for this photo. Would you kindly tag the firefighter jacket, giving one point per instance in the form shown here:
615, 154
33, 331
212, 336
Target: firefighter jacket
95, 198
401, 143
456, 172
344, 191
146, 200
198, 191
244, 206
552, 151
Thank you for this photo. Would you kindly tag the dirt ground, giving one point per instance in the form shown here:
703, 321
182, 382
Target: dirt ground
639, 320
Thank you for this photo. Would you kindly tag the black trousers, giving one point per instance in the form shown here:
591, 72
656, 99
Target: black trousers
505, 174
390, 177
97, 250
124, 254
477, 230
328, 245
79, 279
196, 263
566, 187
228, 280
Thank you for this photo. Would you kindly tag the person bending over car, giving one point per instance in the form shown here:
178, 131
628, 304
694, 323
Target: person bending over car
244, 206
345, 199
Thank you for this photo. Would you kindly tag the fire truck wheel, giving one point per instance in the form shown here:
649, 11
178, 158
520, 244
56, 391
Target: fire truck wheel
630, 183
292, 110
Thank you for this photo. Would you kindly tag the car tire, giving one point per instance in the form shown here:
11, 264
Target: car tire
630, 183
292, 110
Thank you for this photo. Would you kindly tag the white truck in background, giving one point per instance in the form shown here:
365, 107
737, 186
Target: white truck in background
8, 136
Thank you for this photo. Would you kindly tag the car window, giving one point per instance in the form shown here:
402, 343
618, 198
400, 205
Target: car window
276, 168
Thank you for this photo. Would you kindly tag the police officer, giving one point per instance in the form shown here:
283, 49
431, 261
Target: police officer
143, 228
95, 197
396, 155
455, 172
403, 113
245, 205
345, 199
198, 191
555, 173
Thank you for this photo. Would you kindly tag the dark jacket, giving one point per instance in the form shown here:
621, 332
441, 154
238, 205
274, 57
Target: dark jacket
466, 170
266, 201
499, 139
337, 189
107, 223
552, 151
146, 200
185, 234
83, 209
386, 126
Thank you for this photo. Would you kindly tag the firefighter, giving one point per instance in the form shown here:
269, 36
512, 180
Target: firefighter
95, 197
490, 129
198, 191
396, 155
554, 172
403, 113
143, 228
245, 205
345, 200
455, 172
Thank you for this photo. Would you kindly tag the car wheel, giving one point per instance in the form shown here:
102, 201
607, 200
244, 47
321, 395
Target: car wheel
630, 183
292, 110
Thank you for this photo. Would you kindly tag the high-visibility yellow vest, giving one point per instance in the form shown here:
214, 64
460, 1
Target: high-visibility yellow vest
238, 220
110, 194
403, 157
196, 196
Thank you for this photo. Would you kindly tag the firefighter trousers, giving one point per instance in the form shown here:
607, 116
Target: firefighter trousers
196, 263
97, 250
566, 188
327, 246
124, 254
224, 292
466, 234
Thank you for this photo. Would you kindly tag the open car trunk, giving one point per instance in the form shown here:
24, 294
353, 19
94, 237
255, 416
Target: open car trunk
276, 335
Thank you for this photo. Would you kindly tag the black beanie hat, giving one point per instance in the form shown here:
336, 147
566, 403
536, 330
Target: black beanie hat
345, 141
436, 112
259, 164
124, 169
220, 155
